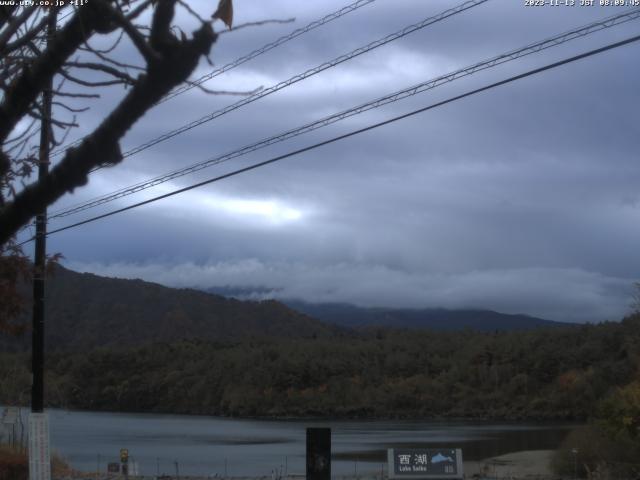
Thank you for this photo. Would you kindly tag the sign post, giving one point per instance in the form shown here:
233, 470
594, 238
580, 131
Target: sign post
10, 415
124, 460
428, 463
10, 418
39, 454
318, 454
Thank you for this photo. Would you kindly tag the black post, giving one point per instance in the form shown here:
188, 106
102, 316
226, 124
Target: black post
37, 336
318, 453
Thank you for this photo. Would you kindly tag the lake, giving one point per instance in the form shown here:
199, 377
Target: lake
211, 445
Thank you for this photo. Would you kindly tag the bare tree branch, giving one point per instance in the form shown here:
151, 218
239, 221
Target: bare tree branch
136, 37
90, 83
135, 13
6, 14
60, 93
177, 59
70, 109
257, 24
106, 59
22, 135
26, 38
58, 123
14, 25
192, 11
109, 49
24, 90
114, 72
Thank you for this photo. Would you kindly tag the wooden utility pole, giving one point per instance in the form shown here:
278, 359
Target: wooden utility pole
39, 451
40, 254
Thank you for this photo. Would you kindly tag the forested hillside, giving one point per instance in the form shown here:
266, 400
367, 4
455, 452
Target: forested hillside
554, 373
85, 311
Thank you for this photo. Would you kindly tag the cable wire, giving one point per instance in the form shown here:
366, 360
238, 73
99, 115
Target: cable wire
309, 73
270, 46
352, 133
250, 56
303, 76
391, 98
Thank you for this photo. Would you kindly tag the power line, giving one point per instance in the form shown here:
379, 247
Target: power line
250, 56
394, 97
353, 133
62, 17
270, 46
303, 76
309, 73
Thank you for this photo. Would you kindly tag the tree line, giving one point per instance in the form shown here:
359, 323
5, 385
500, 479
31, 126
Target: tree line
560, 373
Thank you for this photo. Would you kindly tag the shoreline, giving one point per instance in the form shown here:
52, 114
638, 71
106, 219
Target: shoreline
525, 464
570, 421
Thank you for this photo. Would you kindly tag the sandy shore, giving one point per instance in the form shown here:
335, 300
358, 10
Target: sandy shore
531, 463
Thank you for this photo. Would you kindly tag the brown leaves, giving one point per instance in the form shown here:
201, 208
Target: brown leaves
225, 12
15, 272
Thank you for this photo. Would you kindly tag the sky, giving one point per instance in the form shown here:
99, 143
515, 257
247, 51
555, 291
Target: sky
521, 199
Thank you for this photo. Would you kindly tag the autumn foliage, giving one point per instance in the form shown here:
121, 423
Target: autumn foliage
13, 464
14, 271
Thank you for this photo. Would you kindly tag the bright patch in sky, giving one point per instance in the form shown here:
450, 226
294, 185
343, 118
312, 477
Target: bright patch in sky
267, 209
272, 212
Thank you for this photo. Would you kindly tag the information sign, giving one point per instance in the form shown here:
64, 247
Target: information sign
428, 463
39, 454
10, 415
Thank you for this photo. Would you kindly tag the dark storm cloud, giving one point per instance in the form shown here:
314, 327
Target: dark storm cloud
522, 199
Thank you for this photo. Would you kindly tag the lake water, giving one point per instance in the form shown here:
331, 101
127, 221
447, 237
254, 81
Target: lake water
207, 445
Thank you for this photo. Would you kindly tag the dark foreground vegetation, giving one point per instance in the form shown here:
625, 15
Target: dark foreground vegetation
562, 373
14, 464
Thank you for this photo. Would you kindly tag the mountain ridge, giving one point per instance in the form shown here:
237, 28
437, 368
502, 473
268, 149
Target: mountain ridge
357, 317
86, 310
442, 319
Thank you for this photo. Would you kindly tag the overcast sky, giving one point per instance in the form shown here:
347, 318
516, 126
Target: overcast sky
522, 199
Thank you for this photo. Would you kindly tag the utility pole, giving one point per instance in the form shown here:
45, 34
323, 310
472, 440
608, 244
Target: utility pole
40, 254
39, 451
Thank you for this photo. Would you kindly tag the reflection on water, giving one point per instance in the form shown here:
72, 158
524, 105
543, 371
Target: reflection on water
208, 445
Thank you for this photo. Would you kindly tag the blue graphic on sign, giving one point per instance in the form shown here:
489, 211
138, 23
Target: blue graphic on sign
439, 458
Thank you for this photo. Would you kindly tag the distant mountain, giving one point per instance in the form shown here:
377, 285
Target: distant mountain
351, 316
354, 317
85, 310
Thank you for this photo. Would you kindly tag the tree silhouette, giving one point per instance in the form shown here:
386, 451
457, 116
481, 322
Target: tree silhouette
35, 52
168, 56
